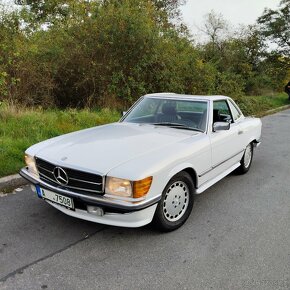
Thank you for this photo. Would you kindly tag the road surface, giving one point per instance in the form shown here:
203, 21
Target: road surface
237, 237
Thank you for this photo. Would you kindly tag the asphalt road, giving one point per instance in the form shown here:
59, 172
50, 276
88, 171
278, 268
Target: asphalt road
237, 237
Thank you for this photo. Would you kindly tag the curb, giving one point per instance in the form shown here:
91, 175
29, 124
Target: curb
11, 182
273, 111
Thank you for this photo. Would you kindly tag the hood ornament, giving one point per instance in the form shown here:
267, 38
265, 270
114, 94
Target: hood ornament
60, 176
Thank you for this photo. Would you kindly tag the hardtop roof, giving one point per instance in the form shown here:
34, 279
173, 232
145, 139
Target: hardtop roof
189, 97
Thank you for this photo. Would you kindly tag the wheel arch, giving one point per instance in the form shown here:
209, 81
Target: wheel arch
186, 168
256, 142
253, 140
192, 174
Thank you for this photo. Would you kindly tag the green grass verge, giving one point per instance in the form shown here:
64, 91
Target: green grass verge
258, 105
20, 128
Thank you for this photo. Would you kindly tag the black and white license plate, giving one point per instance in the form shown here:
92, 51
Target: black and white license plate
55, 197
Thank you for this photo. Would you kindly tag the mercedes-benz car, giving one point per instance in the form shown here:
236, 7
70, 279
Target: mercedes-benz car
148, 166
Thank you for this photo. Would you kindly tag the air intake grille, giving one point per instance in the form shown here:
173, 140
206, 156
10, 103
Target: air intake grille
77, 181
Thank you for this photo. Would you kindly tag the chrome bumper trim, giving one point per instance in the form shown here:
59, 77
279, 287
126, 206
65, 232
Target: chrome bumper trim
257, 144
96, 200
221, 163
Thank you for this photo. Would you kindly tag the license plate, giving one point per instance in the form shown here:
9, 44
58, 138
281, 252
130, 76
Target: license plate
56, 197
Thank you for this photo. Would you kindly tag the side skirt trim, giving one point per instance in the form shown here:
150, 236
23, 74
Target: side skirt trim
216, 179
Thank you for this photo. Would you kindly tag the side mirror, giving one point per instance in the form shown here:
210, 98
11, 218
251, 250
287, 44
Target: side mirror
221, 126
124, 113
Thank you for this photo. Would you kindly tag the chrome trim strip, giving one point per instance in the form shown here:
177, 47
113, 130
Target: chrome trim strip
205, 172
219, 164
44, 169
76, 179
98, 200
72, 187
84, 181
212, 181
44, 176
257, 143
64, 166
84, 189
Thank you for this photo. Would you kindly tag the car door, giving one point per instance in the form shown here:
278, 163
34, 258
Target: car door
225, 145
239, 119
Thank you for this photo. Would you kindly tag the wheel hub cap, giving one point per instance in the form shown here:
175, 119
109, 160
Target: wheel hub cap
248, 156
176, 201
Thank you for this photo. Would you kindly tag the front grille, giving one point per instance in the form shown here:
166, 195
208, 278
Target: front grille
78, 181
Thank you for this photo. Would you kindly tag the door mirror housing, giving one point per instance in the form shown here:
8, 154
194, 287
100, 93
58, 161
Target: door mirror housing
124, 113
221, 126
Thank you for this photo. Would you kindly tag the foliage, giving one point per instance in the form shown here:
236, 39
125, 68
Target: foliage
259, 105
275, 25
21, 128
106, 53
10, 36
214, 27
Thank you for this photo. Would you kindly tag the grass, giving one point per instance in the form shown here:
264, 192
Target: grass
22, 127
258, 105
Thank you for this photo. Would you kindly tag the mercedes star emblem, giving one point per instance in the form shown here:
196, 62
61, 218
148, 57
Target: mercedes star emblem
60, 176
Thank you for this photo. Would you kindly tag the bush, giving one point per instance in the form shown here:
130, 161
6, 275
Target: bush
21, 128
82, 54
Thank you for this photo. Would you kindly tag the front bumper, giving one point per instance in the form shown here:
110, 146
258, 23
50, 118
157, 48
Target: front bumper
131, 219
107, 203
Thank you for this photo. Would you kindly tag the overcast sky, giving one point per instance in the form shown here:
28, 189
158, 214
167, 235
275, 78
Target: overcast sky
235, 11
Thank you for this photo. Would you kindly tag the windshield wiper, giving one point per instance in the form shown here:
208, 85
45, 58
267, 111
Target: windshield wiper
176, 126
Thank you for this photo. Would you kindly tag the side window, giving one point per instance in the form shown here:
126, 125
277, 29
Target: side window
236, 114
221, 112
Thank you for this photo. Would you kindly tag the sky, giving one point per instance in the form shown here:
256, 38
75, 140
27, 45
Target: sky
235, 11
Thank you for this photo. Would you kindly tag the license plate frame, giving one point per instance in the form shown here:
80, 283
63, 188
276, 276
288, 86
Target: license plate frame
54, 197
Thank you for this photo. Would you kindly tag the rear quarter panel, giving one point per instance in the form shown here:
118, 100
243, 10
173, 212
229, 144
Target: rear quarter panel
252, 128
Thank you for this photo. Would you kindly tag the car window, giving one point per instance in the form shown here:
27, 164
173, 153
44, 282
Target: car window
197, 107
236, 114
164, 111
148, 107
221, 112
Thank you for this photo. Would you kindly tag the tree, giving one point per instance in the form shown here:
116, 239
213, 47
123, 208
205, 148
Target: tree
214, 27
10, 36
275, 26
171, 7
38, 14
55, 11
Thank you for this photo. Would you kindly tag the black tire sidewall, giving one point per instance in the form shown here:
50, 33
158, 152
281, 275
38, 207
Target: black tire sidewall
243, 168
159, 219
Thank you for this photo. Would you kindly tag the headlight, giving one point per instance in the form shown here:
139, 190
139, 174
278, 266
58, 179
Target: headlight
30, 162
118, 186
127, 188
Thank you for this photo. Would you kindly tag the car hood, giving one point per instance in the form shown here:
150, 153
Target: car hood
102, 148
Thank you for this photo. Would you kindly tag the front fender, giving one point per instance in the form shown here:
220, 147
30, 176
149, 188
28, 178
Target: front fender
183, 167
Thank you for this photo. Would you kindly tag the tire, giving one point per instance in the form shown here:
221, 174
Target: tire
247, 159
176, 203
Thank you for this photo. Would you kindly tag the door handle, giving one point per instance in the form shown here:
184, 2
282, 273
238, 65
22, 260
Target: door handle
240, 132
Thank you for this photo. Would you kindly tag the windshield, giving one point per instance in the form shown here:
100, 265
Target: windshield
180, 114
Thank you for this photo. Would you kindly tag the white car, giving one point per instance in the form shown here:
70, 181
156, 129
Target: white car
149, 165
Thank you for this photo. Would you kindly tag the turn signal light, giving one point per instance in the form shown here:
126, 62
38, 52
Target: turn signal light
141, 187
